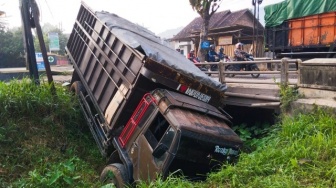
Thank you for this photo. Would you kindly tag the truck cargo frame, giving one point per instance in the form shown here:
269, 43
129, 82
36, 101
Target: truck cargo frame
116, 76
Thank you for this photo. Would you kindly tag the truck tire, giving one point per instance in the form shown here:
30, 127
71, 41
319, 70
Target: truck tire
77, 87
115, 173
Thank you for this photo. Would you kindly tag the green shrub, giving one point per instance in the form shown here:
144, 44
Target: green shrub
41, 138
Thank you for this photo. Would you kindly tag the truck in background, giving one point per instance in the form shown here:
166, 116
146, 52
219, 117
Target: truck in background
149, 109
301, 29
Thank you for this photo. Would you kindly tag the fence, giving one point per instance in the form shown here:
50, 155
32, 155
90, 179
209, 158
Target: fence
283, 72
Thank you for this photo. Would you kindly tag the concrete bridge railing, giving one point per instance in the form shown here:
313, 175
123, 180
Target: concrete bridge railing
283, 73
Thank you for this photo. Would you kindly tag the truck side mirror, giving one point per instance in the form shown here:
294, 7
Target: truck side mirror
159, 150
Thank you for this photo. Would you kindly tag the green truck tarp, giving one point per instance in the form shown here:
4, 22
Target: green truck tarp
277, 13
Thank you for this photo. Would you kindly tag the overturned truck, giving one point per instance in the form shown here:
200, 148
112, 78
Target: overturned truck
150, 110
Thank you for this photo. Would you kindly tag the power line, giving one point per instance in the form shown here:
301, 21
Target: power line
49, 10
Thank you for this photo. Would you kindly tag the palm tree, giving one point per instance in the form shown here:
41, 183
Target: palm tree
205, 8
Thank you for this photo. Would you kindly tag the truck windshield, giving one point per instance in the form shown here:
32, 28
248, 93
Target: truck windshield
159, 132
196, 157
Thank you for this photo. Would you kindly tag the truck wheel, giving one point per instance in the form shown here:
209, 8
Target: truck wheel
115, 173
77, 87
255, 68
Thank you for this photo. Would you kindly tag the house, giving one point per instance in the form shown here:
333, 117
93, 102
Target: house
226, 28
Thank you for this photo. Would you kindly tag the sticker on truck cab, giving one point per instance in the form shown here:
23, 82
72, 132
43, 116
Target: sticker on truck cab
194, 93
225, 151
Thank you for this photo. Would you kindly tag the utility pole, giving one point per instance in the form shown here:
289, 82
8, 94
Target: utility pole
255, 4
254, 18
257, 38
29, 41
30, 18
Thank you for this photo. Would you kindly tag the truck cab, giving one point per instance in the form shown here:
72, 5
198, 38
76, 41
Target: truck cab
170, 132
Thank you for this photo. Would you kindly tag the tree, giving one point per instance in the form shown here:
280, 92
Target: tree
11, 48
2, 24
205, 8
2, 20
47, 28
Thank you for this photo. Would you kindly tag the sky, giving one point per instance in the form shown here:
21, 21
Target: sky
156, 15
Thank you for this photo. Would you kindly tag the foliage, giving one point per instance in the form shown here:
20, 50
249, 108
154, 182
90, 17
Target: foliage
287, 94
171, 181
42, 140
12, 45
205, 8
11, 48
300, 153
42, 146
2, 20
48, 28
62, 174
11, 42
252, 136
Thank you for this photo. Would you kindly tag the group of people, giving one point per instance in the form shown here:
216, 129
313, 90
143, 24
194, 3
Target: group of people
238, 55
213, 56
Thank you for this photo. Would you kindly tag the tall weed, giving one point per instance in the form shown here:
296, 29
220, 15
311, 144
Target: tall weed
300, 153
40, 140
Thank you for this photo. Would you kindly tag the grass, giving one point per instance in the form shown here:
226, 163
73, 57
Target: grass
298, 152
42, 140
287, 94
43, 144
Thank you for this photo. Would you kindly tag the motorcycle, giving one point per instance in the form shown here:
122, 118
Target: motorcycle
195, 60
243, 67
215, 67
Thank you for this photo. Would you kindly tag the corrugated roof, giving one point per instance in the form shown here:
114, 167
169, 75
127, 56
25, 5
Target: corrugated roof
218, 20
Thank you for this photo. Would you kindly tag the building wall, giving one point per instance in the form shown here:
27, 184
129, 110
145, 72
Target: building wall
184, 47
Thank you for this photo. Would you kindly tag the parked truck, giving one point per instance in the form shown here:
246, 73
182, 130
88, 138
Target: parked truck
301, 29
150, 110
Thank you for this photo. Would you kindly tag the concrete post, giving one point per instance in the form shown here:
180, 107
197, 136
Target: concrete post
284, 71
221, 70
299, 65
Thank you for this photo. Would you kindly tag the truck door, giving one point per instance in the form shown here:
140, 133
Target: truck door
157, 137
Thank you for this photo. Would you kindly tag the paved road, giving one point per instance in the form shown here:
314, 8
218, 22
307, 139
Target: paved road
261, 80
61, 74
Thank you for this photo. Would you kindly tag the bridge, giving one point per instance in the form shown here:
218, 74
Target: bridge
315, 80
